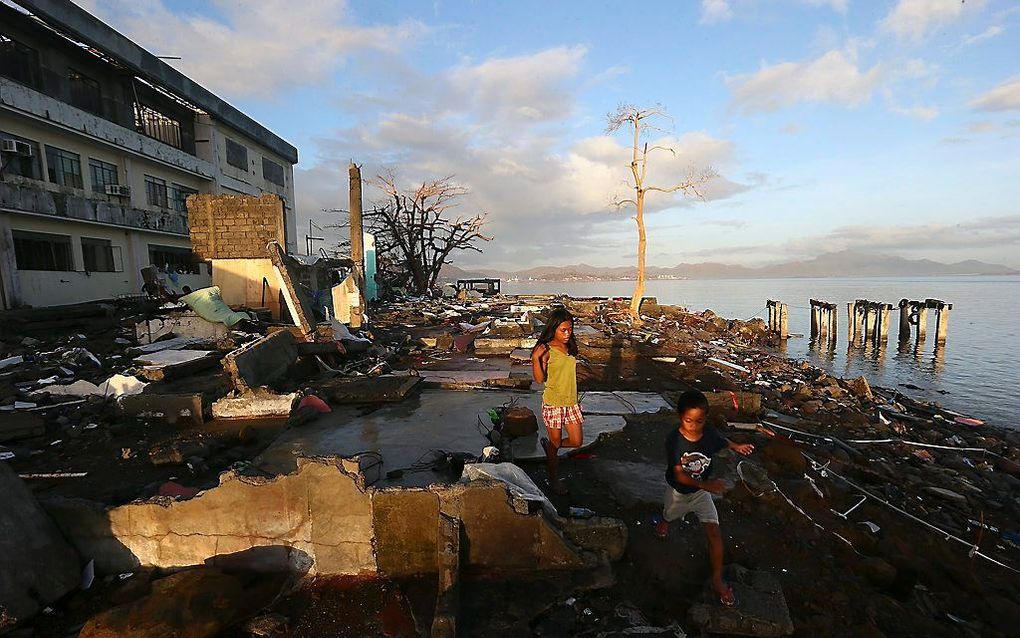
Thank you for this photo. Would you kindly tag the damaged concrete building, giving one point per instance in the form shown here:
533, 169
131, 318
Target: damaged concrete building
102, 143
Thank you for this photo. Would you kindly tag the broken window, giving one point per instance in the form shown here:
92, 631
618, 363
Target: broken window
99, 255
24, 161
237, 154
85, 93
151, 122
272, 171
179, 197
155, 191
103, 174
173, 258
64, 167
19, 62
42, 251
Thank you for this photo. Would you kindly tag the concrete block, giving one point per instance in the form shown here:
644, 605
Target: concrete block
383, 389
444, 619
170, 369
262, 361
599, 534
21, 425
300, 309
185, 324
760, 610
39, 566
172, 408
260, 403
502, 346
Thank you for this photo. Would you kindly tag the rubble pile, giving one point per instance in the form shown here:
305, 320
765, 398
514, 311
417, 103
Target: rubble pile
902, 512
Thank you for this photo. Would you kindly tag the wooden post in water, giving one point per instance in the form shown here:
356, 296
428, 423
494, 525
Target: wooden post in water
905, 310
851, 328
814, 319
922, 323
942, 323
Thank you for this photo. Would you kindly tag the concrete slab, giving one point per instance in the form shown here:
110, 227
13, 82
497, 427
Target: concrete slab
254, 404
527, 448
183, 324
168, 407
262, 361
633, 484
760, 610
169, 344
474, 377
623, 402
172, 357
21, 425
381, 389
39, 566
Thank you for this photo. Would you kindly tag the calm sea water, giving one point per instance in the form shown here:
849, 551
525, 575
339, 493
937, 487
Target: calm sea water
977, 372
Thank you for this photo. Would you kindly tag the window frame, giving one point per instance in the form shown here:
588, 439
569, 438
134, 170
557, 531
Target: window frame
55, 154
187, 264
152, 182
29, 257
114, 257
35, 160
153, 123
30, 62
283, 173
238, 148
178, 203
97, 165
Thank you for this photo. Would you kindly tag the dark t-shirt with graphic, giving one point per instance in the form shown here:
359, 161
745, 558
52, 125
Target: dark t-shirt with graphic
695, 457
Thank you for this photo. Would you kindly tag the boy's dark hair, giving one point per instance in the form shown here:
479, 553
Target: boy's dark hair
691, 399
556, 317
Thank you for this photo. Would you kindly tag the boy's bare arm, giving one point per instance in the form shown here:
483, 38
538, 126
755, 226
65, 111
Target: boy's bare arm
740, 448
715, 485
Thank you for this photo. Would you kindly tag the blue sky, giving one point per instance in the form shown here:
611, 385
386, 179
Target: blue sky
833, 124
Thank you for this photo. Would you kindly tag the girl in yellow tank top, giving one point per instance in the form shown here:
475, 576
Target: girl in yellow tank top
554, 362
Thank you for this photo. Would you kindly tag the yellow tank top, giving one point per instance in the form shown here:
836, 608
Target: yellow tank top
561, 380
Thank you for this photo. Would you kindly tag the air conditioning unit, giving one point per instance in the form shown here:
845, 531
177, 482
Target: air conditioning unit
17, 148
118, 190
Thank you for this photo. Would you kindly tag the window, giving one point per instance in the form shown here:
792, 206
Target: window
151, 122
41, 251
19, 62
237, 155
85, 93
103, 174
179, 197
155, 191
64, 167
26, 163
272, 171
172, 258
99, 255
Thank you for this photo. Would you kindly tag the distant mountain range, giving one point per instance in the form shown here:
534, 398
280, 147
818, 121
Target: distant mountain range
845, 263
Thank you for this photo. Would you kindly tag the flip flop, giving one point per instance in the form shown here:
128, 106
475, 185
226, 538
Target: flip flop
728, 598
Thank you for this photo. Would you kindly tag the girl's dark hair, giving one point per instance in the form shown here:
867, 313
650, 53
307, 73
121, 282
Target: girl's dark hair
691, 399
556, 317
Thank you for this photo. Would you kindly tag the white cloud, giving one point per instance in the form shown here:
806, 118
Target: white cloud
989, 33
913, 19
923, 113
1004, 97
835, 77
261, 49
713, 11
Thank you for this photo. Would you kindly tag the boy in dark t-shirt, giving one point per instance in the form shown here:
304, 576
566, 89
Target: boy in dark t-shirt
689, 452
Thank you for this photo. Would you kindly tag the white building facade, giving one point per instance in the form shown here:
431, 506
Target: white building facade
102, 142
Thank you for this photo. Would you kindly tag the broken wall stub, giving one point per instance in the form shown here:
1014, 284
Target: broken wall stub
320, 512
234, 226
300, 309
38, 565
262, 361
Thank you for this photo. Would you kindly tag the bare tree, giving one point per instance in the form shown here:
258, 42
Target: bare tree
637, 119
413, 235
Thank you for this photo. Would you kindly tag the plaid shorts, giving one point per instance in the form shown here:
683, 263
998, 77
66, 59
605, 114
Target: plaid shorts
556, 417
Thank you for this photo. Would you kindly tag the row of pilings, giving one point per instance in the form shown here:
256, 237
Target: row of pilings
867, 321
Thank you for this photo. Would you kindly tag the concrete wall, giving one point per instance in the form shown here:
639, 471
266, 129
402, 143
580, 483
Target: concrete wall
48, 288
321, 511
240, 282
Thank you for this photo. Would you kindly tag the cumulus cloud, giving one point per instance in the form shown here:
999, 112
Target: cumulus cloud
713, 11
1004, 97
261, 49
912, 20
923, 113
834, 77
510, 146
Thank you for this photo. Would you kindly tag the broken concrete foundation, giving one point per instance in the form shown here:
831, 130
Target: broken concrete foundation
322, 519
262, 361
